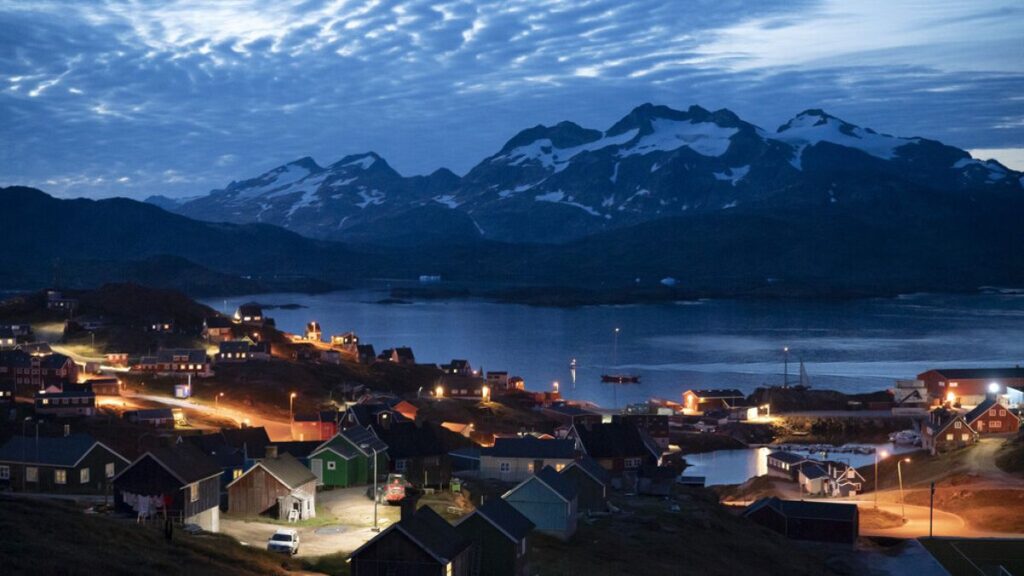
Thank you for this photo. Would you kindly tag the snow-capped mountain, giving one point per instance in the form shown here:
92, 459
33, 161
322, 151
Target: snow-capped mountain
562, 182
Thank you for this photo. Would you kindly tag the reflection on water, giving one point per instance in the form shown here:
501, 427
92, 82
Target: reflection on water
850, 346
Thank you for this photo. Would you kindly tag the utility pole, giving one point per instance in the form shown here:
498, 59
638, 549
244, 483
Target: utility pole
931, 511
785, 367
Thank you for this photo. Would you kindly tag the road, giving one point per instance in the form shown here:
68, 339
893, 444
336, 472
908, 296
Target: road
278, 430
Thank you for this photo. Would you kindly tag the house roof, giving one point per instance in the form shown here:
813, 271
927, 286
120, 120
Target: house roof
554, 481
253, 440
806, 509
366, 414
184, 461
286, 469
361, 436
64, 451
506, 518
787, 457
218, 322
979, 373
407, 440
980, 410
941, 418
234, 346
54, 361
404, 353
613, 440
590, 466
433, 534
813, 471
718, 393
67, 392
297, 448
530, 447
194, 356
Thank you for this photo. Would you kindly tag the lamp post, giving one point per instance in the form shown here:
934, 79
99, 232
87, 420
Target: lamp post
884, 456
291, 405
216, 401
899, 473
785, 366
376, 496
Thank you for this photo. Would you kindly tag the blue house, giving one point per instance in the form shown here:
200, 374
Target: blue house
548, 499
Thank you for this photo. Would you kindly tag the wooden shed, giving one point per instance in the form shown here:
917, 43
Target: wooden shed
499, 534
278, 485
549, 500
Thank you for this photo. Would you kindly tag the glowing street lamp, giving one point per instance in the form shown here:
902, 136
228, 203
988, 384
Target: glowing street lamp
216, 401
485, 393
993, 387
951, 397
884, 456
554, 386
899, 472
439, 391
291, 404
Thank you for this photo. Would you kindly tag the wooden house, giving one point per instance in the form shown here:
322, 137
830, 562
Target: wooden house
970, 386
6, 392
516, 459
180, 477
32, 372
417, 451
549, 500
321, 425
499, 535
807, 520
234, 351
420, 544
67, 401
497, 380
697, 401
785, 464
400, 355
619, 447
366, 354
73, 464
946, 430
107, 386
7, 339
217, 329
249, 313
278, 485
156, 417
458, 367
992, 417
592, 484
347, 458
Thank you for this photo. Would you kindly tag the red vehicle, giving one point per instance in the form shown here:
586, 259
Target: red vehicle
394, 491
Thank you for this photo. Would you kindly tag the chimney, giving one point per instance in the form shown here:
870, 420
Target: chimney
271, 451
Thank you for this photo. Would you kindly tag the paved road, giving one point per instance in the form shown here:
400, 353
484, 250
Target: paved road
278, 430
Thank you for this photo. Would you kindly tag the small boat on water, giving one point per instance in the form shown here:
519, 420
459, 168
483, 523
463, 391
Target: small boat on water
620, 379
906, 437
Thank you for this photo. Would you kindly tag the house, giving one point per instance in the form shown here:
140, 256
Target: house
402, 355
420, 544
946, 430
6, 393
347, 459
108, 386
845, 480
252, 441
458, 368
36, 348
418, 452
13, 334
406, 409
217, 329
807, 520
66, 401
499, 535
321, 425
814, 480
592, 483
462, 387
515, 459
234, 351
971, 386
549, 500
785, 464
330, 357
7, 338
37, 372
57, 301
655, 426
705, 400
278, 485
992, 417
497, 380
313, 332
250, 313
232, 461
369, 414
346, 341
569, 414
71, 464
157, 417
178, 360
619, 447
178, 478
366, 354
516, 383
86, 324
119, 359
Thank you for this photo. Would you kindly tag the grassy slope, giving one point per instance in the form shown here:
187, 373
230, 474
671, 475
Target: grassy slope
47, 538
960, 557
1011, 457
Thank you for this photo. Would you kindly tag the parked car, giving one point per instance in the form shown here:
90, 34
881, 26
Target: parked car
284, 540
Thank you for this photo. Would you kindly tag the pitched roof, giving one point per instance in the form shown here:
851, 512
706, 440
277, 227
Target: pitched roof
361, 436
718, 393
428, 531
184, 461
981, 373
613, 440
556, 482
253, 440
530, 447
980, 410
50, 451
234, 346
54, 361
806, 509
298, 448
407, 440
592, 469
286, 469
340, 445
787, 457
813, 471
506, 518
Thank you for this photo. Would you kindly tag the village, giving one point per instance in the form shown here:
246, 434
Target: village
317, 448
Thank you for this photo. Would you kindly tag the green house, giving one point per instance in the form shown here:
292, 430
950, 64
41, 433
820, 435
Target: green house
347, 459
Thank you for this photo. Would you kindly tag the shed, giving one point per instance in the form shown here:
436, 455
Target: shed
592, 483
499, 534
278, 485
549, 500
421, 544
347, 458
807, 520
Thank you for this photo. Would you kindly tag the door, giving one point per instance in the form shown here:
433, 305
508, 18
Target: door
318, 470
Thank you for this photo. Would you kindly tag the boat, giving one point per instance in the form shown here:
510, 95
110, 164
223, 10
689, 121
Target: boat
620, 379
907, 437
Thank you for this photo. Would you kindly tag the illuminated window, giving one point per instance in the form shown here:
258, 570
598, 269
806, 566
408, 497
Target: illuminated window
60, 476
949, 437
83, 476
953, 384
193, 492
559, 467
965, 437
529, 467
996, 424
236, 473
108, 470
957, 425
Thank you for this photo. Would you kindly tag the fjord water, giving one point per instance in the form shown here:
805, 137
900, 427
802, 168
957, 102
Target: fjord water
851, 346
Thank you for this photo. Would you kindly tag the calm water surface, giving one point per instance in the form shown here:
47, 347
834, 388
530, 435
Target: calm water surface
848, 346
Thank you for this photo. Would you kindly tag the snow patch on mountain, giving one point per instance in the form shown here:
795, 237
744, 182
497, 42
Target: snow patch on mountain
545, 153
446, 199
615, 173
375, 197
733, 175
704, 138
811, 127
730, 205
558, 197
363, 162
276, 179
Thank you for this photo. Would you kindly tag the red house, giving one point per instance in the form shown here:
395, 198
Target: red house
321, 425
946, 430
992, 417
970, 386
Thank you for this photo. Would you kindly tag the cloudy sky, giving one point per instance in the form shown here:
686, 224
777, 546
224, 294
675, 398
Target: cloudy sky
133, 98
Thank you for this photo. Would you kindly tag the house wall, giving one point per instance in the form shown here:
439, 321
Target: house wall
493, 553
148, 477
394, 554
255, 493
519, 468
996, 420
341, 476
591, 495
949, 438
549, 513
95, 461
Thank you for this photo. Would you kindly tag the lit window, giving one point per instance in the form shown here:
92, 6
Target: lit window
236, 473
957, 425
949, 437
965, 437
953, 384
60, 476
529, 467
559, 467
83, 476
996, 424
108, 470
193, 492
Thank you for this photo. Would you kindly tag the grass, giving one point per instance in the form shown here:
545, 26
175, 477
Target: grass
996, 509
873, 519
1010, 458
335, 564
962, 557
42, 537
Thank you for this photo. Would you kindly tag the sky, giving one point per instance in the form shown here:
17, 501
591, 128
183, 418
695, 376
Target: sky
178, 97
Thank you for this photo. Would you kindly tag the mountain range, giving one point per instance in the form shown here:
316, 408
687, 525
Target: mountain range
557, 184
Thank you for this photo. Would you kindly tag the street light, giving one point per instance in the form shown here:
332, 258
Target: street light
554, 386
485, 393
884, 456
375, 495
216, 401
993, 387
899, 472
785, 364
291, 404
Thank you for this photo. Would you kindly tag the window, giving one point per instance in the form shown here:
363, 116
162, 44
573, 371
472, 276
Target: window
992, 412
995, 424
60, 476
449, 569
965, 437
236, 473
529, 467
193, 492
507, 466
957, 425
632, 463
108, 470
949, 437
954, 384
5, 472
1002, 412
332, 465
83, 476
559, 467
400, 465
